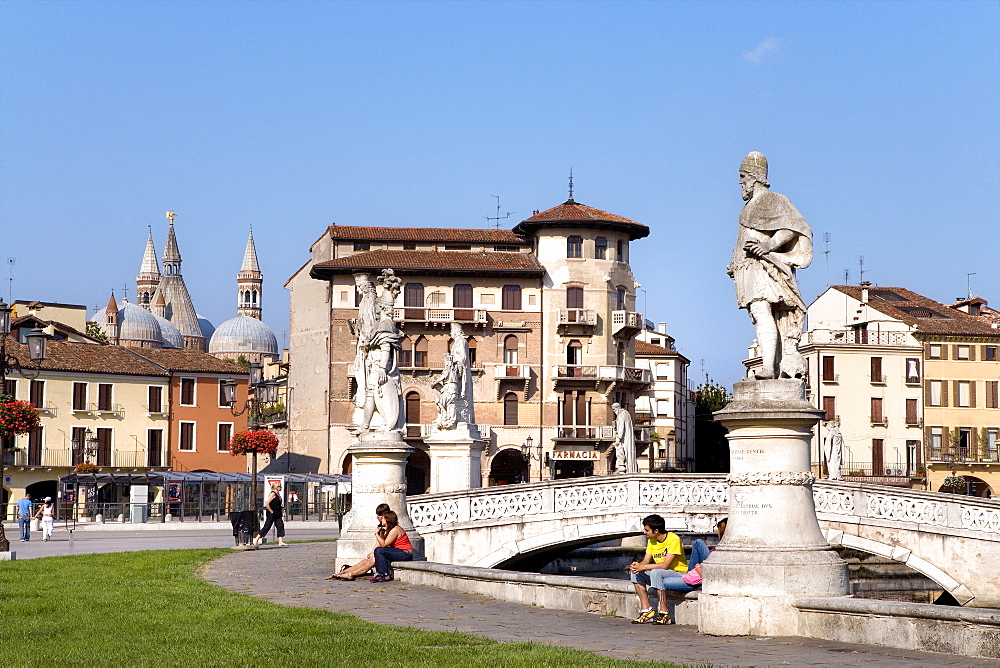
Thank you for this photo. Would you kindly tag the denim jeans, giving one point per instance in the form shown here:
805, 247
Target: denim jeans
24, 524
662, 578
385, 555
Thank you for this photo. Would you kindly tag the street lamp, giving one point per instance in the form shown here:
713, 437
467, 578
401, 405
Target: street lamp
8, 364
527, 449
259, 393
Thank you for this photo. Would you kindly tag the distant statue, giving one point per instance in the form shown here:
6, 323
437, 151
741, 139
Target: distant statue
377, 357
773, 240
447, 386
625, 457
465, 400
833, 449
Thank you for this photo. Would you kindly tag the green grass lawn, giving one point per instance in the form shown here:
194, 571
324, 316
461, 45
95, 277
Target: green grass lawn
144, 608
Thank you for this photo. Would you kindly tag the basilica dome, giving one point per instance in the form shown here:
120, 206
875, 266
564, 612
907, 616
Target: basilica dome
245, 336
135, 325
169, 334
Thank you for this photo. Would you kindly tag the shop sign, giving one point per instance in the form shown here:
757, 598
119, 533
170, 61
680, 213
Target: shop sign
589, 455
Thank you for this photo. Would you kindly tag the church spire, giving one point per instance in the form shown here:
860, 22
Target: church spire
149, 274
171, 254
249, 283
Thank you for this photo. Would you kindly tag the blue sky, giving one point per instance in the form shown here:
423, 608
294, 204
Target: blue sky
879, 120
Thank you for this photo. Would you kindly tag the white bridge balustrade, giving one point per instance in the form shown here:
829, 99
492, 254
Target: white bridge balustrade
954, 540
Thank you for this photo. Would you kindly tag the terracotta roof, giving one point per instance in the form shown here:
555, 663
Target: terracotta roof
87, 358
573, 214
194, 361
645, 348
925, 315
364, 233
433, 263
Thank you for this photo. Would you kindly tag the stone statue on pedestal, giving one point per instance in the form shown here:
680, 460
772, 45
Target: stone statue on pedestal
773, 240
465, 404
376, 363
833, 449
447, 386
625, 457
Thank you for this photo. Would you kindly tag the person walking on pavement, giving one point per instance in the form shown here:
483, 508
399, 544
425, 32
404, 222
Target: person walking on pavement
24, 517
47, 515
274, 517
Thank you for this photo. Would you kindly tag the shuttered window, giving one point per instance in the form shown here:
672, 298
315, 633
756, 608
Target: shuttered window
187, 391
877, 370
104, 397
511, 298
828, 368
79, 396
911, 411
155, 399
830, 407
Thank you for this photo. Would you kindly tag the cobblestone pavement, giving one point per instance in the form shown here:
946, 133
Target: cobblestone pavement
294, 576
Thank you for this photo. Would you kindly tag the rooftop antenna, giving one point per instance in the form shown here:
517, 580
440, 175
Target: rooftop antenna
10, 278
570, 185
861, 269
968, 283
847, 277
497, 218
826, 238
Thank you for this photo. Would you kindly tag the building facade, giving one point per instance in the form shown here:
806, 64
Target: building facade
913, 384
666, 408
549, 310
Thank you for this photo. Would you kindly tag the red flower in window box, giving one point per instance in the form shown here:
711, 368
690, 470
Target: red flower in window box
17, 417
86, 467
260, 442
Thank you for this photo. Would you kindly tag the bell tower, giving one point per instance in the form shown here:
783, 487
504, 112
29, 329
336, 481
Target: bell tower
149, 275
249, 283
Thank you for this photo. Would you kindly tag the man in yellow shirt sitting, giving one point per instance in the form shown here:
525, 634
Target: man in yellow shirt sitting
664, 560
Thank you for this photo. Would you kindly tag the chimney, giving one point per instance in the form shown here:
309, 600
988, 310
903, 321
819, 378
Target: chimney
661, 327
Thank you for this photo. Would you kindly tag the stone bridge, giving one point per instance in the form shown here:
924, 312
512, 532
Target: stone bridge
954, 540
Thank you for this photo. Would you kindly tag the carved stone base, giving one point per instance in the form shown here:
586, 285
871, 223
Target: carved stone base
456, 458
773, 549
378, 475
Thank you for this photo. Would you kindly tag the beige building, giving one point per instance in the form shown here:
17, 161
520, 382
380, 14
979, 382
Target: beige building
666, 408
913, 383
549, 309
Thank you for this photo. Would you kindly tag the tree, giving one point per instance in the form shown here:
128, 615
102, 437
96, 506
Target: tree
94, 330
710, 444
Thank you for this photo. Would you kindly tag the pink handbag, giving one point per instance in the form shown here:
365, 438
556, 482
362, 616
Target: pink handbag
692, 578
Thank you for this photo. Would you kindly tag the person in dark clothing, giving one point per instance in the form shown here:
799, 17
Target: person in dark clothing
274, 516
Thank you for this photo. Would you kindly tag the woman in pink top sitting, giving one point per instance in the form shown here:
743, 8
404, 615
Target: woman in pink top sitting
394, 547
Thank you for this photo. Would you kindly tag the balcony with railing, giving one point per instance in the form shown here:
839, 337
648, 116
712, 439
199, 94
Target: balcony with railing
607, 373
950, 455
110, 409
444, 316
626, 324
130, 458
57, 457
857, 337
576, 321
511, 371
879, 421
584, 433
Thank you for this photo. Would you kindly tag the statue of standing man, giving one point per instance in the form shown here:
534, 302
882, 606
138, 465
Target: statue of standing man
625, 457
773, 241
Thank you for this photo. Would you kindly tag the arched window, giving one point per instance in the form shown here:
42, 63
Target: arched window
420, 353
510, 350
253, 297
511, 298
574, 246
412, 408
600, 248
620, 294
510, 408
406, 354
472, 351
574, 353
436, 299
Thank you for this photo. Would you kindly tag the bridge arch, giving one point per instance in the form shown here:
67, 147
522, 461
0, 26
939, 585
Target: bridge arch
953, 540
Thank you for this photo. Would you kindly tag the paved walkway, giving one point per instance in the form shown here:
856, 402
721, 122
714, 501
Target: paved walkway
294, 576
89, 539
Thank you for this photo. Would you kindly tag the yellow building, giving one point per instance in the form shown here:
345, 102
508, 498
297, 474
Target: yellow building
100, 403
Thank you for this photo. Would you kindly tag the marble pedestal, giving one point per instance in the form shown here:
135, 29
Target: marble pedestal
773, 550
456, 458
378, 475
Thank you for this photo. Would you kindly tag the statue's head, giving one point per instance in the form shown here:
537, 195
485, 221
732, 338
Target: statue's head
386, 302
456, 331
753, 170
364, 282
616, 407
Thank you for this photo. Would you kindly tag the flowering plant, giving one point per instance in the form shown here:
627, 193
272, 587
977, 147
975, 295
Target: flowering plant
16, 417
953, 481
86, 467
261, 442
